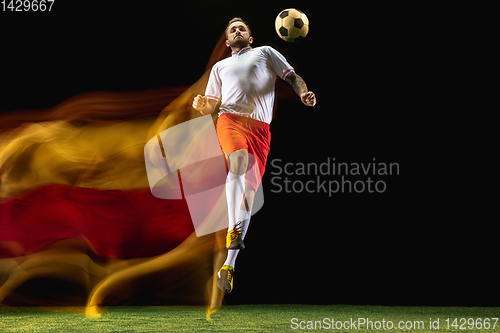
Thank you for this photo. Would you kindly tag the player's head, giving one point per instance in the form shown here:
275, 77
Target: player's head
238, 33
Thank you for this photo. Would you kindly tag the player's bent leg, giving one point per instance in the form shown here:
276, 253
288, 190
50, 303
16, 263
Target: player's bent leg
238, 163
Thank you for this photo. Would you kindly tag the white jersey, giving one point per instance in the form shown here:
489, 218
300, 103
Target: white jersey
245, 82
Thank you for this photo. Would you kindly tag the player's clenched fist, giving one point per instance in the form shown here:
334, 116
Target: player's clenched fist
200, 102
308, 98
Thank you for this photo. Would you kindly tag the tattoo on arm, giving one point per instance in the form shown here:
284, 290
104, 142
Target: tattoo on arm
297, 83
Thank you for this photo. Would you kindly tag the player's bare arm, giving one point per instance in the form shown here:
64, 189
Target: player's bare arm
204, 105
307, 97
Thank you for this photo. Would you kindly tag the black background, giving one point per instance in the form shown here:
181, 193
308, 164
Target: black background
371, 68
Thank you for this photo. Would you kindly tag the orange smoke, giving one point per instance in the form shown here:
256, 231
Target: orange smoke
94, 141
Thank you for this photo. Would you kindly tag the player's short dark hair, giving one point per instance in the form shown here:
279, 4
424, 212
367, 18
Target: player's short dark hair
237, 19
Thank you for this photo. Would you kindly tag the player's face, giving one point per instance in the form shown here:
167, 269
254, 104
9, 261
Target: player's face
238, 35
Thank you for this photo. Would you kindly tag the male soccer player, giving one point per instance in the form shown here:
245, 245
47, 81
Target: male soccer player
244, 84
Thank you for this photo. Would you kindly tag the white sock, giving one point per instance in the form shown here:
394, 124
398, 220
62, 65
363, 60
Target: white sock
235, 189
244, 216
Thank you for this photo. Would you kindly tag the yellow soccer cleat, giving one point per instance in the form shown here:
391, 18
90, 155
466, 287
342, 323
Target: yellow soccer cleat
226, 278
234, 241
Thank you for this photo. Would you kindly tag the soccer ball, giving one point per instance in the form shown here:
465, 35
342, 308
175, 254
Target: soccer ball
292, 25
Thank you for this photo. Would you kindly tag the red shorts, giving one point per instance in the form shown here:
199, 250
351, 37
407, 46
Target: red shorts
239, 132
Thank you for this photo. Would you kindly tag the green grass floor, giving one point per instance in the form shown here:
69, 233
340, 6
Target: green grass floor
243, 318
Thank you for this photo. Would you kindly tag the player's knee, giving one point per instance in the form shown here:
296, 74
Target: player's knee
238, 161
